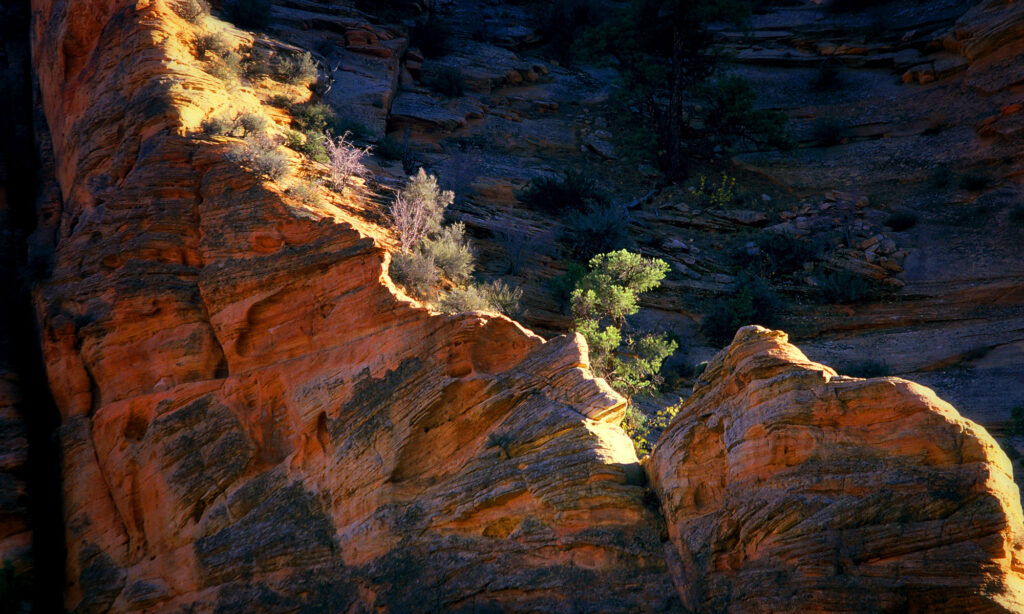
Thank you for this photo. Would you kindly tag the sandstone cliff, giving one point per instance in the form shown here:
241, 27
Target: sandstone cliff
254, 419
788, 488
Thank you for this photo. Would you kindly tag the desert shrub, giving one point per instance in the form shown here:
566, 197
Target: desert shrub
564, 284
559, 22
418, 210
753, 303
901, 221
867, 369
228, 69
600, 303
307, 192
248, 14
251, 123
297, 69
447, 81
281, 101
257, 64
597, 230
318, 118
573, 191
845, 287
709, 194
416, 271
781, 254
218, 125
390, 149
344, 160
730, 114
975, 181
827, 132
191, 10
645, 431
260, 154
1017, 215
451, 252
519, 247
829, 75
211, 42
432, 37
468, 298
312, 146
504, 298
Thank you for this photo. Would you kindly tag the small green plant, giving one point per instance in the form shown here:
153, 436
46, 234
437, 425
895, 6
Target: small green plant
708, 194
599, 229
572, 192
316, 117
901, 221
229, 68
218, 125
867, 369
251, 123
446, 81
645, 431
753, 303
248, 14
260, 154
297, 69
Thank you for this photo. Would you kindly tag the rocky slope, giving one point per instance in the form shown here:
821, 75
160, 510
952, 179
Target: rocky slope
253, 417
926, 108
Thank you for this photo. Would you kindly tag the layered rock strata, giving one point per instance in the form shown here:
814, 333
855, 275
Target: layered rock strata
787, 487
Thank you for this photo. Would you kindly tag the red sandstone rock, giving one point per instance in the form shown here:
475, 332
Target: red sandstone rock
788, 488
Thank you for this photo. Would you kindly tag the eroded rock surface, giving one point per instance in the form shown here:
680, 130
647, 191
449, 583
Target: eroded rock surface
251, 413
786, 487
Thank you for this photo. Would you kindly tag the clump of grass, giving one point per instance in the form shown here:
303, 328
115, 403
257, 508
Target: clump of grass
299, 69
261, 156
211, 42
572, 192
218, 125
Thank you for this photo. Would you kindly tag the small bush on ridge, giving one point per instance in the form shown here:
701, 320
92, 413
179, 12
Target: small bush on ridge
573, 191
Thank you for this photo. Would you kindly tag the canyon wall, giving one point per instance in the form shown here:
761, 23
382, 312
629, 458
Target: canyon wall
254, 418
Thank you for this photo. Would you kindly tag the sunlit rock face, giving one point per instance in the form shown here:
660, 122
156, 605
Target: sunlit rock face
786, 487
254, 419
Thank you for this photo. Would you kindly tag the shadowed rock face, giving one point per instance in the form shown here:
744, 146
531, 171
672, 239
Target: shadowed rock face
255, 420
788, 488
